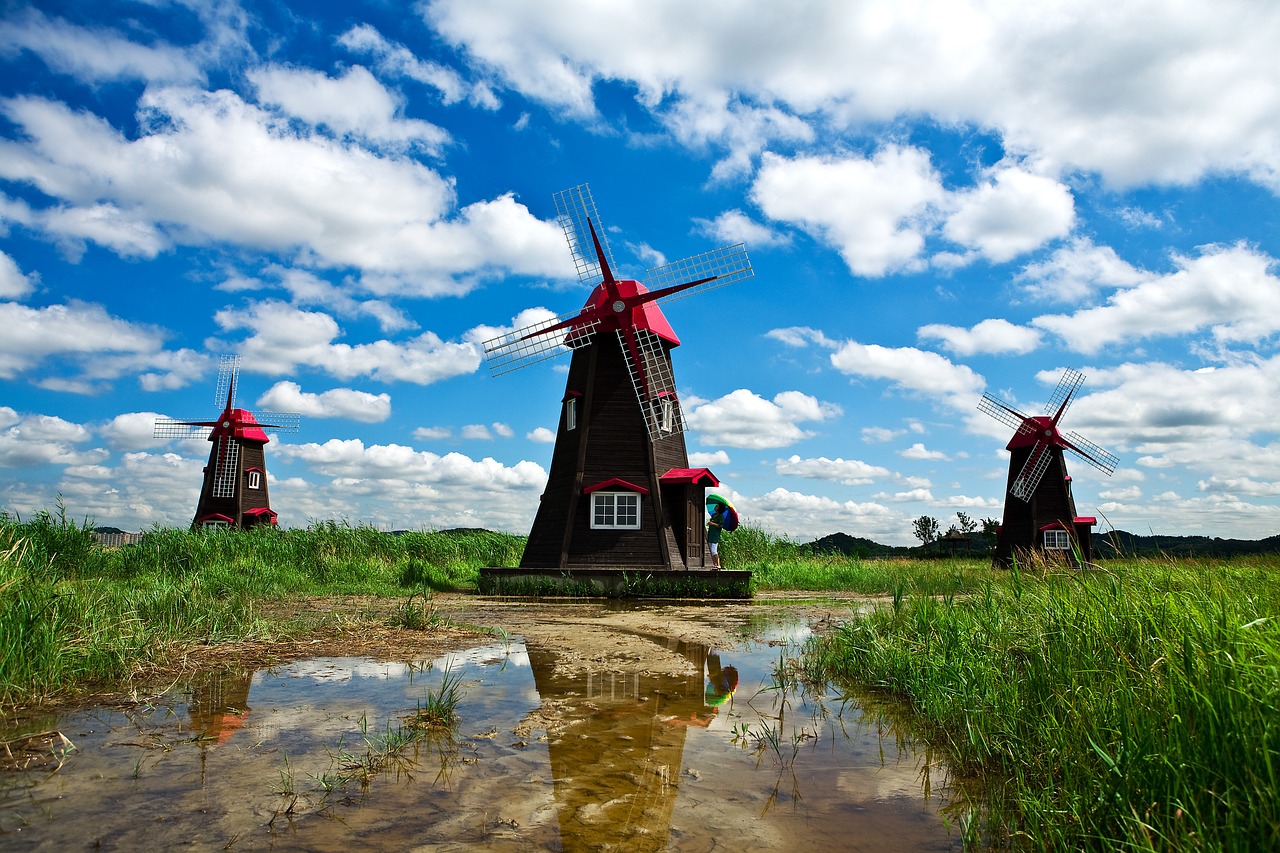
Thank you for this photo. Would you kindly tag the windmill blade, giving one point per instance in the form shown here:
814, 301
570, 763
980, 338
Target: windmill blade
1103, 460
174, 428
1067, 385
1005, 414
576, 210
539, 342
278, 421
1024, 485
654, 384
710, 269
227, 468
228, 370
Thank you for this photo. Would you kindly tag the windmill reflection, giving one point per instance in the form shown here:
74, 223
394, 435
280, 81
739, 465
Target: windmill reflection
219, 705
617, 738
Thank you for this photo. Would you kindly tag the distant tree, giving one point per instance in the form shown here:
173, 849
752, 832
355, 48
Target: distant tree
967, 524
926, 530
989, 527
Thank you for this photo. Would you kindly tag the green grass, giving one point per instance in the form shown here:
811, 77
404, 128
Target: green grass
73, 614
1136, 708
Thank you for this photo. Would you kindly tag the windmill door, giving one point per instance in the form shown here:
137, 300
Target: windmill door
684, 503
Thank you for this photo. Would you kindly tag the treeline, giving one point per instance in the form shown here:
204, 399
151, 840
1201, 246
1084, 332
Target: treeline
1113, 543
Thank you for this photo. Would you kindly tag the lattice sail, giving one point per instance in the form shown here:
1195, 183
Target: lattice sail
278, 421
1067, 385
1104, 460
574, 209
228, 371
227, 468
1005, 414
1024, 485
174, 428
723, 266
655, 387
534, 343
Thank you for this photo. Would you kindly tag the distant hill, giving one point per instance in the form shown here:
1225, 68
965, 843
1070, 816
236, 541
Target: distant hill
1110, 544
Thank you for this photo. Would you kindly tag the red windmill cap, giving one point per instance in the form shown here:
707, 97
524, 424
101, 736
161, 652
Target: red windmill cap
646, 316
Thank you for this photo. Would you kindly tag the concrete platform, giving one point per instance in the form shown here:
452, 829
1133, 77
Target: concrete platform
614, 582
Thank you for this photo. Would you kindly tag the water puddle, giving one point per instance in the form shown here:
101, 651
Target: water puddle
610, 739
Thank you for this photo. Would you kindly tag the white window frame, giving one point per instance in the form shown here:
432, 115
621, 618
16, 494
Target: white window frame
255, 479
615, 510
1057, 539
215, 523
666, 413
571, 413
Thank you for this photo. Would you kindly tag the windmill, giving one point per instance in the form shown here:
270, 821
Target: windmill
1040, 511
620, 493
234, 493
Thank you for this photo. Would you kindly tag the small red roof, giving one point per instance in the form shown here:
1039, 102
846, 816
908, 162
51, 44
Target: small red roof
695, 476
262, 510
618, 483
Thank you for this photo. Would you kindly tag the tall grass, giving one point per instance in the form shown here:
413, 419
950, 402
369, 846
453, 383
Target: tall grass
1137, 708
73, 614
776, 562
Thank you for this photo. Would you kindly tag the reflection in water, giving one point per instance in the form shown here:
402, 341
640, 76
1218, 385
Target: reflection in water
617, 750
611, 741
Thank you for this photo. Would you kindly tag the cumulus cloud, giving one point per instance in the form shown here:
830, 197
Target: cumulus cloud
1231, 291
1079, 270
850, 472
354, 104
394, 59
1012, 213
988, 337
335, 403
743, 418
30, 440
910, 369
208, 166
873, 211
283, 338
13, 283
76, 330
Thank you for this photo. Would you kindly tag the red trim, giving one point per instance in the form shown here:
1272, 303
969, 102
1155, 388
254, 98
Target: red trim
1085, 519
570, 394
618, 483
217, 516
1056, 525
262, 510
693, 476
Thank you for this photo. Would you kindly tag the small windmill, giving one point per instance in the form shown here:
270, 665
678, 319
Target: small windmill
1040, 512
234, 493
620, 492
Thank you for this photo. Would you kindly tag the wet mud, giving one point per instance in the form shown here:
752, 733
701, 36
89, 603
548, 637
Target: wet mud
580, 727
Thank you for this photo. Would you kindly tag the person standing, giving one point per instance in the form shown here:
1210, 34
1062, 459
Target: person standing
714, 527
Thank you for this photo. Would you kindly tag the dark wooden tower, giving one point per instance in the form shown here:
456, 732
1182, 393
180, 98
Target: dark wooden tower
234, 491
1039, 508
620, 493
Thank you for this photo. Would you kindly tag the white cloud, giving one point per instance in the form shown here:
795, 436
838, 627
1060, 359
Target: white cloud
745, 419
850, 472
708, 460
354, 105
284, 337
874, 211
76, 329
130, 431
395, 59
436, 433
1230, 290
989, 336
919, 452
207, 166
541, 435
335, 403
95, 55
912, 370
32, 440
13, 283
1013, 213
1146, 92
734, 226
1078, 271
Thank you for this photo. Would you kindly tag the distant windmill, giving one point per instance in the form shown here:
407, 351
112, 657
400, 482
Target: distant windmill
1040, 511
234, 493
620, 492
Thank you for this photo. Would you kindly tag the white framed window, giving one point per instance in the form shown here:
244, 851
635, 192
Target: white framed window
615, 510
666, 414
255, 479
214, 522
571, 413
1056, 540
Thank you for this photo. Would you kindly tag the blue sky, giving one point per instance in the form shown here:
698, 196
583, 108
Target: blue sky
939, 199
